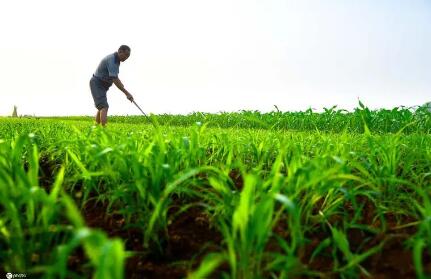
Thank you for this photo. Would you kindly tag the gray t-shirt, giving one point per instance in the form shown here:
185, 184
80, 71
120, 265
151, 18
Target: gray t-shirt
109, 68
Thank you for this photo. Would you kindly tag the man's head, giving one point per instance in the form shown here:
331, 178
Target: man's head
123, 53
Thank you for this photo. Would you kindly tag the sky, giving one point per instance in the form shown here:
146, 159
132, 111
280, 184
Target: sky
216, 56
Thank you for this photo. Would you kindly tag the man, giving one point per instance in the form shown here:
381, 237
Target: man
106, 74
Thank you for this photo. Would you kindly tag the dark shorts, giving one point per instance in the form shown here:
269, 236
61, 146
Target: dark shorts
98, 91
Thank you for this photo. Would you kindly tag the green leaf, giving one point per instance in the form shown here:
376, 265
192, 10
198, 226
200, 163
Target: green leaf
207, 266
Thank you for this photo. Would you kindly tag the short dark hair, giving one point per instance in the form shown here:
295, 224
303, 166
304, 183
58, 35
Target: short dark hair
124, 48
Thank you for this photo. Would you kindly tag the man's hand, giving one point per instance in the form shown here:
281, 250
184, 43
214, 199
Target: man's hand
129, 97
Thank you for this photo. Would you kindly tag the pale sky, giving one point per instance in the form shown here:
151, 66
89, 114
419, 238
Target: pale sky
212, 56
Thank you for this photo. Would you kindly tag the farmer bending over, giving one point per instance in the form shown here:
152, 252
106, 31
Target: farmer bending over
106, 74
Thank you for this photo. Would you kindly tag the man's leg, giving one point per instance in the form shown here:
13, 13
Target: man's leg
103, 116
98, 117
98, 91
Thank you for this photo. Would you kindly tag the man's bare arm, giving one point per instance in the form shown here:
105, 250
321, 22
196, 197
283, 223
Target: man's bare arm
120, 86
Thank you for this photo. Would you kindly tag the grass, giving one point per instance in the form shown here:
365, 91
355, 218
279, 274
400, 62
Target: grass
276, 195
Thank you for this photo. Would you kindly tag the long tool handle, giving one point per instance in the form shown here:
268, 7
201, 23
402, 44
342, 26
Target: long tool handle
149, 119
139, 108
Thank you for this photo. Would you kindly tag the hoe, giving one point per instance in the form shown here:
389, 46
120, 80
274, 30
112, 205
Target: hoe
144, 113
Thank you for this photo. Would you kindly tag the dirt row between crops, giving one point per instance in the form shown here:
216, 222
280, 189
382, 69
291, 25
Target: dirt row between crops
191, 231
191, 236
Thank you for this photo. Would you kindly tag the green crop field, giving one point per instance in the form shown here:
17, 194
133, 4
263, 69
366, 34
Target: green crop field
241, 195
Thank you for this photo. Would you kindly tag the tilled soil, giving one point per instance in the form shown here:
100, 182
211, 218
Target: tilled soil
191, 231
191, 236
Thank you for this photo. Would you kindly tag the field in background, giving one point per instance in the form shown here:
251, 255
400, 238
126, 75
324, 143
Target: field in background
230, 195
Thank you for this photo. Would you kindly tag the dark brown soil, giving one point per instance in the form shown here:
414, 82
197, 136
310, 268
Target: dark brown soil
394, 260
47, 169
189, 239
237, 179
